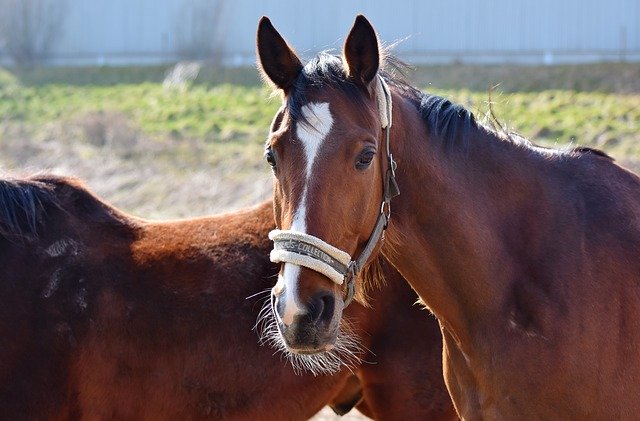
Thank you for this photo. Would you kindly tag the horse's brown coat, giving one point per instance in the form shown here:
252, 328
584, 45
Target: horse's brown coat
105, 316
527, 256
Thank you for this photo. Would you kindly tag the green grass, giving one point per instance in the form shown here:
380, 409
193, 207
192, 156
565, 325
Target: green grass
213, 113
598, 77
109, 76
182, 152
229, 113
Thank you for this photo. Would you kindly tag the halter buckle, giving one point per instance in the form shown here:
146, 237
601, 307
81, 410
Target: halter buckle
392, 164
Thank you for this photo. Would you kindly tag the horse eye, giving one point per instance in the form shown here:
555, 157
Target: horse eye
270, 157
364, 159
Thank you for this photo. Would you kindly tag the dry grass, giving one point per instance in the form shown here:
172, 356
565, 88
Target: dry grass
153, 178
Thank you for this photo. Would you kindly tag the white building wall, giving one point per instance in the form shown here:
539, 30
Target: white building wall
152, 31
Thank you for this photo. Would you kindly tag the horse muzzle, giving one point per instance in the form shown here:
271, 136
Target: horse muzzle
311, 328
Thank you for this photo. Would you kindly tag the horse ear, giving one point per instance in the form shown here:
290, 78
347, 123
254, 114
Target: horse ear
276, 60
361, 53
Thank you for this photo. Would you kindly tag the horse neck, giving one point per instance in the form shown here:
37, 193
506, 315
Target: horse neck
446, 223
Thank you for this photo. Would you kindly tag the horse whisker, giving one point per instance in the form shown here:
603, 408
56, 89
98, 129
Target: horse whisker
345, 354
268, 290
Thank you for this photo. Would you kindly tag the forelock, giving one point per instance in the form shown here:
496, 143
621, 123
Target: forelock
323, 71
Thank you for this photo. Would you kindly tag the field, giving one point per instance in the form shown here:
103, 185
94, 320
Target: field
194, 147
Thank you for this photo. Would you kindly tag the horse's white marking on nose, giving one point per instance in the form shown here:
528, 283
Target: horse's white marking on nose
311, 135
287, 284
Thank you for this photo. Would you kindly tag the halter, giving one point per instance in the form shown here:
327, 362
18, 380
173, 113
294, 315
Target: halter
314, 253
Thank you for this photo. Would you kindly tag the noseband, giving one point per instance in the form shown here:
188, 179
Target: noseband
314, 253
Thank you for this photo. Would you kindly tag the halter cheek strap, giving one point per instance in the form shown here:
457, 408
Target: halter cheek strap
314, 253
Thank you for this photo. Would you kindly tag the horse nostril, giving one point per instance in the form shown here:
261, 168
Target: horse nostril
329, 307
322, 307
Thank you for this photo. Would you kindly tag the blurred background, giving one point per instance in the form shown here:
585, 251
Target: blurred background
158, 106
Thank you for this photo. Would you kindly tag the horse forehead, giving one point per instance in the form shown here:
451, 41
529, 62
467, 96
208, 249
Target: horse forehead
313, 130
317, 120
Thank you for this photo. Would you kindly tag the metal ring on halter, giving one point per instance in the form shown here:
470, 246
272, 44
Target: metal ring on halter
385, 209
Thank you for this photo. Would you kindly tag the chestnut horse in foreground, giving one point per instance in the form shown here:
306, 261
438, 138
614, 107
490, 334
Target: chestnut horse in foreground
529, 257
105, 316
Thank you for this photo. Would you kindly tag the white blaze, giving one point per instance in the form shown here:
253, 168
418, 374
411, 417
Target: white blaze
311, 136
315, 132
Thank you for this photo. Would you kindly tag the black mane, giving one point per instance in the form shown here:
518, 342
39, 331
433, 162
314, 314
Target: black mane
31, 205
449, 122
23, 205
324, 70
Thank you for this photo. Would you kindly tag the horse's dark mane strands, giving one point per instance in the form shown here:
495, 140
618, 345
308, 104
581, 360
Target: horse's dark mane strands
323, 70
22, 204
445, 119
588, 150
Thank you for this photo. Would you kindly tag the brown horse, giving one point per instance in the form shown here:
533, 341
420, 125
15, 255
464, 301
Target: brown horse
105, 316
527, 256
